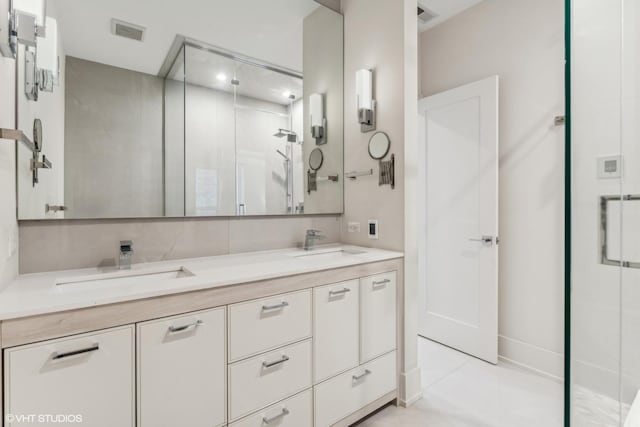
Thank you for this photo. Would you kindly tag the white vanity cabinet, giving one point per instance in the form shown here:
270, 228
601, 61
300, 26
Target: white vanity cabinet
297, 411
377, 315
261, 325
310, 350
353, 390
336, 329
181, 370
265, 379
88, 376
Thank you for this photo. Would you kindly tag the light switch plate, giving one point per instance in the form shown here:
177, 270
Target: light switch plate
353, 227
373, 229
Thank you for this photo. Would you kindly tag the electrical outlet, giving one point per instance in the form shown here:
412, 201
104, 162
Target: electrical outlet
373, 229
353, 227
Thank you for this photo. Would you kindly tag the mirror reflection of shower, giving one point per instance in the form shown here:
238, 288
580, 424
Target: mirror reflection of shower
293, 152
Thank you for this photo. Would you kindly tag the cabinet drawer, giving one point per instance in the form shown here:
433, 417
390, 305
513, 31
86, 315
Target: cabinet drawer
263, 380
296, 411
261, 325
91, 376
348, 392
336, 329
377, 315
182, 370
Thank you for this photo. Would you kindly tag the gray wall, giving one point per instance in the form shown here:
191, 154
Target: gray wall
113, 142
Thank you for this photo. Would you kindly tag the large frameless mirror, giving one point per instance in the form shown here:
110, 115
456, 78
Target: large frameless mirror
206, 112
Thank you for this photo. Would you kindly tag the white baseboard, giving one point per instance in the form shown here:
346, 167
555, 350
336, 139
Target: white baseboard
410, 387
542, 361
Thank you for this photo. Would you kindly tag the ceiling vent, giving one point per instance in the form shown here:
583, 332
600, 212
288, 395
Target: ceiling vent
425, 15
127, 30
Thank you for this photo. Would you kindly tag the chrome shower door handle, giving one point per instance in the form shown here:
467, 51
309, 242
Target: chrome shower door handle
485, 240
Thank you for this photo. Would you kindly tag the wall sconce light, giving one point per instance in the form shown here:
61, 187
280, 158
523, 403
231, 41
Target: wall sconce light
365, 102
318, 120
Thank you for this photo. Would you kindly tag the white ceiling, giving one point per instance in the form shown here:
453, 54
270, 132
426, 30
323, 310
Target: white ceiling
269, 30
203, 69
444, 9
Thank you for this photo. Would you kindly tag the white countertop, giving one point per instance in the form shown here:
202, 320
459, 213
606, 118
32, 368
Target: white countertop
35, 294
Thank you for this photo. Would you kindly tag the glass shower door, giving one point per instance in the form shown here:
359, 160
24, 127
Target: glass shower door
605, 220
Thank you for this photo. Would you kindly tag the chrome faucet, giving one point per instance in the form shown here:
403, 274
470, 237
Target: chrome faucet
126, 253
310, 239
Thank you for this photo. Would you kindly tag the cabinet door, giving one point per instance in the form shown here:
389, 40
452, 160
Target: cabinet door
345, 394
181, 371
264, 324
377, 315
89, 379
336, 329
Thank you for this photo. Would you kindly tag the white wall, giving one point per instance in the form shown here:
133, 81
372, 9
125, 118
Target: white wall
521, 41
8, 223
381, 35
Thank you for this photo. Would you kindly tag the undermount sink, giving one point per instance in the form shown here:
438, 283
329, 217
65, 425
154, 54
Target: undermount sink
128, 277
328, 253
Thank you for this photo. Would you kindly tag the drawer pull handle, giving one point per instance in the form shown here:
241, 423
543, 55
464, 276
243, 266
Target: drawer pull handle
58, 356
362, 375
277, 362
340, 292
284, 412
280, 306
380, 283
174, 329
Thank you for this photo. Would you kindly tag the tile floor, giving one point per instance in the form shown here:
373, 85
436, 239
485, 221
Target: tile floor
461, 391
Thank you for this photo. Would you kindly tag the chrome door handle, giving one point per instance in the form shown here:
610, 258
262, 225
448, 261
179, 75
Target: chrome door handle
277, 362
280, 306
284, 412
485, 240
362, 375
174, 329
58, 356
340, 292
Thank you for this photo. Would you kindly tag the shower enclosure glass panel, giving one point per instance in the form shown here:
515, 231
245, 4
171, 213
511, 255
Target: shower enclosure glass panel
243, 137
605, 246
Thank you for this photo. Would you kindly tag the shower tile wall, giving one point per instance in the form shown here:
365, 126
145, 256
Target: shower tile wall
113, 116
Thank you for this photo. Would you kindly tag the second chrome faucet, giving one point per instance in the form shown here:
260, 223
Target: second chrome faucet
310, 239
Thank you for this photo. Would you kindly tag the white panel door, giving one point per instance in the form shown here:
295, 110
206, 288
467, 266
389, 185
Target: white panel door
459, 289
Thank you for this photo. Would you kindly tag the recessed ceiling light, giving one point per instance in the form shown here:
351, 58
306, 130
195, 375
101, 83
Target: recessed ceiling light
221, 76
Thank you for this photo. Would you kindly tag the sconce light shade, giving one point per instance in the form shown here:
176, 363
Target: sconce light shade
316, 109
317, 118
365, 103
364, 89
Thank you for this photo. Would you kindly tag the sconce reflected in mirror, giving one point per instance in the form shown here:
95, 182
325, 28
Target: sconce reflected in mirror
317, 118
365, 102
